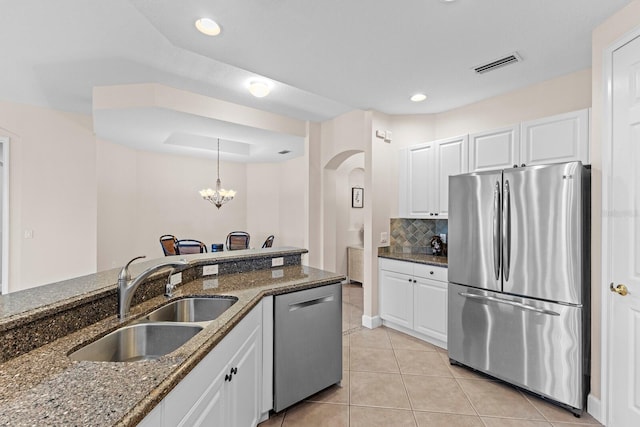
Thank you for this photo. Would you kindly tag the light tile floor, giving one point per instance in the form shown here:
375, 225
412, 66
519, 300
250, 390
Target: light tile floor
392, 379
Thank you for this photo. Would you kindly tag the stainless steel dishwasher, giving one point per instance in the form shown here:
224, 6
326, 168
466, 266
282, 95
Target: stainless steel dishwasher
307, 343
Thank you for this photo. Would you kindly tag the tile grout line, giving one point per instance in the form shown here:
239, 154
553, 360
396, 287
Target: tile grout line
467, 396
404, 385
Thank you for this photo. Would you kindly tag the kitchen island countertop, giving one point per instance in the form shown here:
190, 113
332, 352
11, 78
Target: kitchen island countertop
44, 387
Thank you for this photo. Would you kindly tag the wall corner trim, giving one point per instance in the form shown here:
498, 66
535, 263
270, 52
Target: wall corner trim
371, 322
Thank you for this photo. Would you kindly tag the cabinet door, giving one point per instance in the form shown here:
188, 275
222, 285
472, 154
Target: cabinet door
396, 298
556, 139
494, 149
430, 308
419, 182
212, 407
245, 386
452, 157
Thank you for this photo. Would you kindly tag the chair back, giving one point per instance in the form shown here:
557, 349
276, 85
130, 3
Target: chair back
190, 246
168, 243
269, 242
238, 240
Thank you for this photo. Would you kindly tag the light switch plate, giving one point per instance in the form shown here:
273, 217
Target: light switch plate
208, 270
176, 279
384, 237
277, 262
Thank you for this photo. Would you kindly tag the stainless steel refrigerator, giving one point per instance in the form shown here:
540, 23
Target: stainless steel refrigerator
518, 301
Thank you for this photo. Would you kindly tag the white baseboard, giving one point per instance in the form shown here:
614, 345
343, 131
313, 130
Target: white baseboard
371, 322
594, 408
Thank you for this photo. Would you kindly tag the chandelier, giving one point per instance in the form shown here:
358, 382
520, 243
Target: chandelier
220, 196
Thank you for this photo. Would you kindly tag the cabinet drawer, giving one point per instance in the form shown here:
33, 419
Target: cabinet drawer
396, 266
430, 272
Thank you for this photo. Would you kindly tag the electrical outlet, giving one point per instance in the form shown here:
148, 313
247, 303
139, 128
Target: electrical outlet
277, 262
28, 234
176, 279
384, 237
208, 270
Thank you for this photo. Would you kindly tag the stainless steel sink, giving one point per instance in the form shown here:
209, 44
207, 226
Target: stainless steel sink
193, 309
145, 341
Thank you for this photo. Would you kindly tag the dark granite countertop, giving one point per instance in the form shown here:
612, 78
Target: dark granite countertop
439, 261
44, 387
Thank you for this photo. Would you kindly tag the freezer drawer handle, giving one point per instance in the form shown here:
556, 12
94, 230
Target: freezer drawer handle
302, 304
508, 302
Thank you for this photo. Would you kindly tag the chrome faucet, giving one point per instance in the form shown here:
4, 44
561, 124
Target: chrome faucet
126, 286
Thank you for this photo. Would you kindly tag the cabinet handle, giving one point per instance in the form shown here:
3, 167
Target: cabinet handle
431, 213
227, 377
431, 272
515, 166
415, 281
410, 280
234, 371
436, 214
523, 165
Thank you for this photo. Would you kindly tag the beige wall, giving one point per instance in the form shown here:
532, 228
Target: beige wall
560, 95
143, 195
605, 35
52, 192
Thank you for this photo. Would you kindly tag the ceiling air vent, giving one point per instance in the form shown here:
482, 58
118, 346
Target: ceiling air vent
512, 58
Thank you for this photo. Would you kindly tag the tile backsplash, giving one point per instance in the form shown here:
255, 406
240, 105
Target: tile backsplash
414, 235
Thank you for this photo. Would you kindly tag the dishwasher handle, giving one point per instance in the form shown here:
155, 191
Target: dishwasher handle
314, 301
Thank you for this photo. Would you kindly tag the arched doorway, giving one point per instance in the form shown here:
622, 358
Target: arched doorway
342, 223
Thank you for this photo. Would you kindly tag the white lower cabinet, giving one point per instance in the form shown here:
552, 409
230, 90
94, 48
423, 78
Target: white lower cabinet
413, 299
225, 388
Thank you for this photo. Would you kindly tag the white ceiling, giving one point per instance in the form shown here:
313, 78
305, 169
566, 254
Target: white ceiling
325, 57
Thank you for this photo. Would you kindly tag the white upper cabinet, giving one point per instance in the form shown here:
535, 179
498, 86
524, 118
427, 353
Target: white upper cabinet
425, 168
556, 139
424, 176
417, 193
494, 149
452, 159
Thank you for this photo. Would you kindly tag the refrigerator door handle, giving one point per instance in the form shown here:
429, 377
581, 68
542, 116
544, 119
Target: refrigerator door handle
506, 232
496, 230
508, 302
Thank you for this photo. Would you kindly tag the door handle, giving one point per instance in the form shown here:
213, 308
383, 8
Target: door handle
620, 289
506, 232
496, 231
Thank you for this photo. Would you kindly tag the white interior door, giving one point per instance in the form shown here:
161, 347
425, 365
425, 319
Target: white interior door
623, 218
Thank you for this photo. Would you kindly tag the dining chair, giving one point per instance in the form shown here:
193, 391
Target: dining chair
190, 246
269, 242
168, 243
238, 240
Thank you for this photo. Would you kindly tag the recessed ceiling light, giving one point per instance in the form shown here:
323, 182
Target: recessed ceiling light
208, 26
418, 97
259, 88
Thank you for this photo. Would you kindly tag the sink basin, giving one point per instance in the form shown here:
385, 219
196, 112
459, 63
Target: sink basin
145, 341
194, 309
